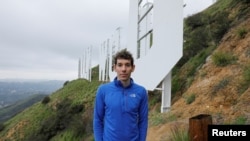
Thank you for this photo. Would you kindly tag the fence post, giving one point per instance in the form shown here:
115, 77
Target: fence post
198, 127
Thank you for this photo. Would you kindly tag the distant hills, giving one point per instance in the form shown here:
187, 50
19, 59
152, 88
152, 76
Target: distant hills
10, 111
16, 95
12, 90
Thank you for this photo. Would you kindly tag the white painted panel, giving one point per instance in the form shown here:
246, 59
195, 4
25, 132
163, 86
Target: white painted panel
167, 43
132, 27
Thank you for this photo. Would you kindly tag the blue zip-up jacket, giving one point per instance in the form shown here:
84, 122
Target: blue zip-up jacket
120, 114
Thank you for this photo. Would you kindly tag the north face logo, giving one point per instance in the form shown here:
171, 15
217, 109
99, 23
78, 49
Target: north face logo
132, 95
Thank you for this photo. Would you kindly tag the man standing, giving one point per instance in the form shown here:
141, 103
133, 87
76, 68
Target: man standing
121, 106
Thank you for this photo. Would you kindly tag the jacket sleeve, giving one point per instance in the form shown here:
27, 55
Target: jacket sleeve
143, 117
98, 123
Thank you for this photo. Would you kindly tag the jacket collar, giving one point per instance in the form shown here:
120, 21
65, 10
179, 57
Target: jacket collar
118, 83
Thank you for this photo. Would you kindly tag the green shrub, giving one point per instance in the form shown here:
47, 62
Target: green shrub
179, 134
246, 74
78, 126
195, 21
222, 84
157, 119
190, 99
240, 120
1, 126
65, 83
241, 32
245, 83
219, 25
243, 1
177, 84
46, 100
77, 108
223, 58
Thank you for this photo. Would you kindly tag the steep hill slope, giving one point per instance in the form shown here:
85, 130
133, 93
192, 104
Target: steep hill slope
9, 111
64, 115
218, 89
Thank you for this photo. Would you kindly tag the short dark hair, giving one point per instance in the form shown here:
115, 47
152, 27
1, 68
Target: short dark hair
123, 54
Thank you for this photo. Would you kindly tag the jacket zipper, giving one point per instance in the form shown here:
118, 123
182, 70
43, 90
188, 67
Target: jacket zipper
125, 95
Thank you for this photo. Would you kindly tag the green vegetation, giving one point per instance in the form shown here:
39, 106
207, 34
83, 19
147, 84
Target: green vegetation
190, 99
156, 118
246, 74
46, 100
245, 81
1, 126
179, 134
223, 58
10, 111
240, 120
241, 32
65, 115
183, 77
155, 97
222, 84
202, 33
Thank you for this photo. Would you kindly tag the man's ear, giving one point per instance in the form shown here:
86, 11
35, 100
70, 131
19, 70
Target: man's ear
133, 68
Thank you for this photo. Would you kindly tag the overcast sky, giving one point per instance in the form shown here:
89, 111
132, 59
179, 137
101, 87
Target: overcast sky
44, 39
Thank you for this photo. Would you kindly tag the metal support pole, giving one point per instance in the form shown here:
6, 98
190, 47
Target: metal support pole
166, 93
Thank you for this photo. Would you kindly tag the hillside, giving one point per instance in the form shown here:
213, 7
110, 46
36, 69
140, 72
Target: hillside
63, 115
213, 77
218, 89
12, 90
9, 111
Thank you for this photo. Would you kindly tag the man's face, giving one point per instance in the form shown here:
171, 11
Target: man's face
123, 68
